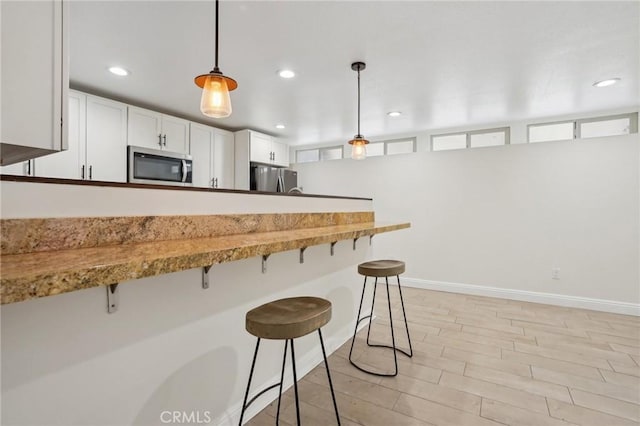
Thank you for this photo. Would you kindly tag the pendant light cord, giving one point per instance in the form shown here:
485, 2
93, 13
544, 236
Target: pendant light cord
216, 69
358, 101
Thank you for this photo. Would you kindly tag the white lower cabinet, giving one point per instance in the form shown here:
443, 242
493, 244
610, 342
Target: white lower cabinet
24, 168
97, 142
212, 152
106, 149
68, 164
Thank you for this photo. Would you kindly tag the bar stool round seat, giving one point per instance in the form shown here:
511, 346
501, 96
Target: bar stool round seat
381, 268
288, 318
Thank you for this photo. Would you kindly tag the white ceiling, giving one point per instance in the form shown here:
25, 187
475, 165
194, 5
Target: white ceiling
442, 64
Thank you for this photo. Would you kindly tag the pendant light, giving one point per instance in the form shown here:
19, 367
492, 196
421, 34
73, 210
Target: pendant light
358, 152
215, 101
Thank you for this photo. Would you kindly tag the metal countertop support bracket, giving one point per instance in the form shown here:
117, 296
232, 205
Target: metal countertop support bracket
264, 263
113, 298
302, 254
331, 250
354, 242
206, 279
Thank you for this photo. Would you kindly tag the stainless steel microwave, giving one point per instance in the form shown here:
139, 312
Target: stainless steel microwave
159, 167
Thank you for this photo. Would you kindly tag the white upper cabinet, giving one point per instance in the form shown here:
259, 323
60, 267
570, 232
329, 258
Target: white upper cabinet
97, 142
34, 78
260, 148
144, 128
212, 153
266, 149
251, 146
280, 153
152, 129
175, 134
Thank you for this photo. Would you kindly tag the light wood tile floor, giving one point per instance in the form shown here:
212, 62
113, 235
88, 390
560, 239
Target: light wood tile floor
480, 361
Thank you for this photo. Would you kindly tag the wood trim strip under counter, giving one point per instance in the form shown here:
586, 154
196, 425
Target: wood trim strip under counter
46, 273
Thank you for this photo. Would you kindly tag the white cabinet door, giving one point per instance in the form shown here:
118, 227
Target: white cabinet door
202, 140
224, 159
106, 145
144, 128
68, 164
24, 168
280, 154
34, 77
260, 147
175, 134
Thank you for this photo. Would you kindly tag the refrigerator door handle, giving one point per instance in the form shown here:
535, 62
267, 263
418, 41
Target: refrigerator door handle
280, 186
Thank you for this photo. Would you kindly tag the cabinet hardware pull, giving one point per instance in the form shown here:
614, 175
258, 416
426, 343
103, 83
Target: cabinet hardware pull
160, 139
82, 172
164, 137
90, 172
28, 167
216, 183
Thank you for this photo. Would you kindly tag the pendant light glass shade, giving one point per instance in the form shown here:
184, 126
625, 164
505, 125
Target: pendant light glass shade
215, 101
358, 147
358, 143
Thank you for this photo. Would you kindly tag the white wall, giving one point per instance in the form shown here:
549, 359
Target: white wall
503, 217
171, 345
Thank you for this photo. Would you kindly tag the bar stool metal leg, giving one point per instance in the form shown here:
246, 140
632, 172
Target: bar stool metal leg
246, 394
373, 304
326, 365
370, 317
404, 314
355, 330
284, 361
295, 381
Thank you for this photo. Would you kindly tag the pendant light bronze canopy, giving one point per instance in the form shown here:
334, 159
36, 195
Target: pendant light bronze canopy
215, 101
358, 152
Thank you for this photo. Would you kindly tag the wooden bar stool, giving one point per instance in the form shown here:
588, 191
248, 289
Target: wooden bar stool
286, 319
377, 269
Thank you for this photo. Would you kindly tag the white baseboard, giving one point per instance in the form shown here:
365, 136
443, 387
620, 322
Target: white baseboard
527, 296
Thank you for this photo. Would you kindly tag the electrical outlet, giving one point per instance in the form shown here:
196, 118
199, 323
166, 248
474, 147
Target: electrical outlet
555, 273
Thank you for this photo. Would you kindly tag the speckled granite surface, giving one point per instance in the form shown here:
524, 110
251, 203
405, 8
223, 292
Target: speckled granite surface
33, 235
45, 273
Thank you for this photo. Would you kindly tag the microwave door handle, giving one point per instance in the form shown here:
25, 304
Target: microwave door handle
184, 171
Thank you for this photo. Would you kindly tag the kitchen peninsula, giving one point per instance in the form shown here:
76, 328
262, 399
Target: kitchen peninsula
62, 236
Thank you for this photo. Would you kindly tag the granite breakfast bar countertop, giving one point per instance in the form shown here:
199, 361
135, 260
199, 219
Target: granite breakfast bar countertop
27, 275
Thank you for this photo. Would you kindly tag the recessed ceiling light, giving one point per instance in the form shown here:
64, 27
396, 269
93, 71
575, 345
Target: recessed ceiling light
607, 82
394, 114
118, 71
279, 126
286, 73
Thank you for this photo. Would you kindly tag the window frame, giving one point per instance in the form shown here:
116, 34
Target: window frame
319, 149
506, 130
577, 122
326, 148
551, 123
632, 116
413, 140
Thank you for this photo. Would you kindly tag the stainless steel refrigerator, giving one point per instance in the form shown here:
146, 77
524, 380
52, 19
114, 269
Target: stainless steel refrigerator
273, 179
